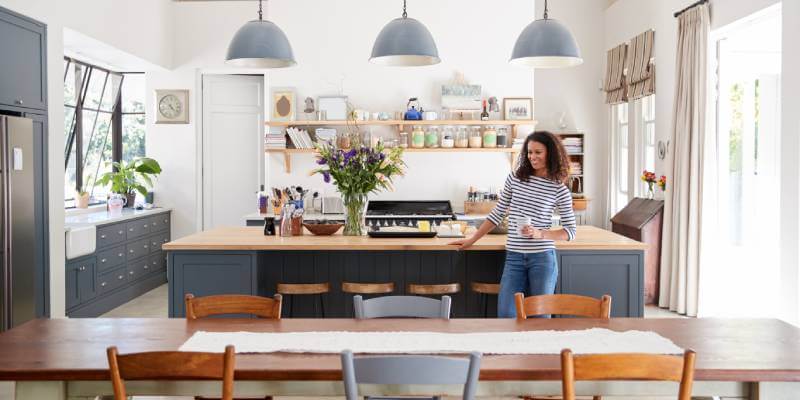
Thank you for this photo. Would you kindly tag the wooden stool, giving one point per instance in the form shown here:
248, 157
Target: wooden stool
367, 288
291, 289
434, 290
484, 290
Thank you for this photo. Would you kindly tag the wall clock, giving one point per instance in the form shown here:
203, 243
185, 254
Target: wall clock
172, 106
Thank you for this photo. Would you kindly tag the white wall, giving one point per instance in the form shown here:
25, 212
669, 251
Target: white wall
100, 19
576, 92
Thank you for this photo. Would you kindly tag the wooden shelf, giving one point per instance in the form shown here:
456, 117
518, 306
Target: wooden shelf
288, 153
400, 123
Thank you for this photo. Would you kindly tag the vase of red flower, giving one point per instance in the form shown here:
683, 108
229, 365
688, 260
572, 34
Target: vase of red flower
649, 178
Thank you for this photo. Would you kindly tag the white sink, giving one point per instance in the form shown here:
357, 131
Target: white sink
80, 241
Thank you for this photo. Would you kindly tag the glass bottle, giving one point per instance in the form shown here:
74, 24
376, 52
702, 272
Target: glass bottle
417, 137
502, 137
462, 137
432, 137
448, 138
475, 138
403, 141
489, 137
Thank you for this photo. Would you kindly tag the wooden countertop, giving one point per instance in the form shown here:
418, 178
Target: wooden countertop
252, 238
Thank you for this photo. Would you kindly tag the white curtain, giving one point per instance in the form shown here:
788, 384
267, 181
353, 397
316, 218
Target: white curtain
680, 257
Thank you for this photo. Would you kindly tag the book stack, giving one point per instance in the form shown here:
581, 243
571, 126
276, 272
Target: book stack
300, 138
275, 140
573, 145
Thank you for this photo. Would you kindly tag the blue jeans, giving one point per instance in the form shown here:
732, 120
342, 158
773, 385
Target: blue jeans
529, 273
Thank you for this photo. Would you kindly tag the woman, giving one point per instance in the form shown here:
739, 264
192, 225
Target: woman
530, 196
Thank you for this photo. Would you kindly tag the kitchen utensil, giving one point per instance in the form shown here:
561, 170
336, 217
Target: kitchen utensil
269, 226
413, 113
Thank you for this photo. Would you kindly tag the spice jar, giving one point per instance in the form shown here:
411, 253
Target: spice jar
475, 138
403, 141
489, 137
417, 137
462, 137
448, 139
343, 140
502, 137
432, 137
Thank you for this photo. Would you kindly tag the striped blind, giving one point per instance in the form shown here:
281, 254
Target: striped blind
641, 77
615, 86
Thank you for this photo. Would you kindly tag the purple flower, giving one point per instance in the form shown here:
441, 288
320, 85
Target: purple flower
322, 161
326, 176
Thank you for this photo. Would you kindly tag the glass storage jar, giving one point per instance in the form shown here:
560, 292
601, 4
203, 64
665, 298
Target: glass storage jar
475, 138
462, 137
403, 140
489, 137
502, 137
417, 137
448, 138
432, 137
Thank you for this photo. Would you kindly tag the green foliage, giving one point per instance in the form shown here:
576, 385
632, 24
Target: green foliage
129, 176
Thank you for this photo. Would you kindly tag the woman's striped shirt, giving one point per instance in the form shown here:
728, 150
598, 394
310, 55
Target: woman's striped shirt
536, 198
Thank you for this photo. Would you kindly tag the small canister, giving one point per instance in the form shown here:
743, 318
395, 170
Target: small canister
417, 137
475, 138
462, 137
432, 137
489, 137
448, 138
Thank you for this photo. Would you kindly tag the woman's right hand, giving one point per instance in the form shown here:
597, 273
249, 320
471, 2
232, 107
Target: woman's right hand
463, 244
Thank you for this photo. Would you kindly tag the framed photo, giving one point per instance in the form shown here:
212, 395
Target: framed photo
283, 104
334, 107
518, 108
461, 97
172, 106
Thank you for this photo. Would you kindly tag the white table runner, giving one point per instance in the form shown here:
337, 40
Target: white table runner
589, 341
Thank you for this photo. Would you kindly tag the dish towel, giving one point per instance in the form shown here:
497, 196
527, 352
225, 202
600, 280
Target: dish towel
588, 341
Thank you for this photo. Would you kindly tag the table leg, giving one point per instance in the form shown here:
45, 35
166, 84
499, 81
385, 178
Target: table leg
45, 390
775, 391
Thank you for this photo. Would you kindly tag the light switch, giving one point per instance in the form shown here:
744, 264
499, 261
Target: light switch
17, 159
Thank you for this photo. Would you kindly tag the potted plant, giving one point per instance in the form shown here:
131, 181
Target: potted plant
81, 198
127, 178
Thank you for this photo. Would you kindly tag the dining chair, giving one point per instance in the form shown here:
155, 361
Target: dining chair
627, 366
410, 370
367, 288
562, 304
173, 365
484, 290
262, 307
435, 289
304, 289
401, 307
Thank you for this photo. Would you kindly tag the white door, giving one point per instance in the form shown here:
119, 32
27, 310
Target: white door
233, 126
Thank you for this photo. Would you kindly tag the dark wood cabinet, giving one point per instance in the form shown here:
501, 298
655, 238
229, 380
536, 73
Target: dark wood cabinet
641, 220
23, 47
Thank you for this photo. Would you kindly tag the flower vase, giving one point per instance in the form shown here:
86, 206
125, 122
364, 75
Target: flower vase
354, 207
650, 192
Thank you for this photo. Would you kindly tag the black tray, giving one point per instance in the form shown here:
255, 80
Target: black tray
379, 234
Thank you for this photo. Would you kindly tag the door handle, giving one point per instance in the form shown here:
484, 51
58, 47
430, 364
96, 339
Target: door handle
82, 268
19, 102
103, 261
102, 236
103, 284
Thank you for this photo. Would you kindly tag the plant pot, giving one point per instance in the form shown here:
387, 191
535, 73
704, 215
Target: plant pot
81, 200
131, 198
354, 207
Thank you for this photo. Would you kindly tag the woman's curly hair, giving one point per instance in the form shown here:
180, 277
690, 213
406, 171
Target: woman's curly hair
557, 160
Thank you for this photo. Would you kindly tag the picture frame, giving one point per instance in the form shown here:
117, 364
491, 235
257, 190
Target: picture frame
334, 107
283, 104
461, 97
172, 106
517, 108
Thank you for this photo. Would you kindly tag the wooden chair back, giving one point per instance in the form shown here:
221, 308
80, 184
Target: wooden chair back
563, 304
262, 307
171, 365
441, 289
624, 366
367, 288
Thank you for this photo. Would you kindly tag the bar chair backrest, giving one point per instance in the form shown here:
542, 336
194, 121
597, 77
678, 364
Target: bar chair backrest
401, 307
627, 366
227, 304
178, 365
563, 304
410, 370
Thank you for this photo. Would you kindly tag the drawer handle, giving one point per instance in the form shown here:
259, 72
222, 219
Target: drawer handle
145, 226
155, 262
145, 246
164, 241
155, 244
130, 229
155, 223
165, 220
103, 284
120, 232
120, 254
146, 267
102, 236
121, 277
130, 251
131, 273
103, 261
82, 268
19, 102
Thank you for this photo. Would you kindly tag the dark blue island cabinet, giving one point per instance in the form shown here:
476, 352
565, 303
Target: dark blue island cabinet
244, 264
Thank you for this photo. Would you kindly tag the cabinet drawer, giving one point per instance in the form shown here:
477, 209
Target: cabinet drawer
109, 259
138, 228
138, 269
156, 262
159, 222
137, 249
110, 235
111, 280
157, 240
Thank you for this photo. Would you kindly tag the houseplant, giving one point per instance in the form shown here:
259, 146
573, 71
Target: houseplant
127, 178
356, 172
81, 198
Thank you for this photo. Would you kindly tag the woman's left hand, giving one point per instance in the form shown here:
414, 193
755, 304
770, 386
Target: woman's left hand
533, 233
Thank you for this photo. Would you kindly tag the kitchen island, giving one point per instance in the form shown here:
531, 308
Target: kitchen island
242, 260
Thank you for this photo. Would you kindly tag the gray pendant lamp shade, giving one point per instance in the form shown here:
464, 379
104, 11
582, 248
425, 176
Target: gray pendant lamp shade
260, 44
546, 43
405, 42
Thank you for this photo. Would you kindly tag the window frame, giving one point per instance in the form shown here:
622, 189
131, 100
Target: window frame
637, 147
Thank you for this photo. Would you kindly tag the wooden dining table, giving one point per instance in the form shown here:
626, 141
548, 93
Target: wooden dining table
66, 358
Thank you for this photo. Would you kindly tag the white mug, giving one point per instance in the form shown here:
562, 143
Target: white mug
522, 222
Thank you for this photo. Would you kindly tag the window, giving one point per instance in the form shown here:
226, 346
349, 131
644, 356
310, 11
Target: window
621, 133
646, 139
103, 122
633, 135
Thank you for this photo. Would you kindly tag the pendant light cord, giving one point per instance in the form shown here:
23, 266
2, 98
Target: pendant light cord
405, 14
545, 9
260, 13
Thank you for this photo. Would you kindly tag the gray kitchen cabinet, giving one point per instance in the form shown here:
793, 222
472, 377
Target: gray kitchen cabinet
619, 274
23, 45
123, 266
205, 274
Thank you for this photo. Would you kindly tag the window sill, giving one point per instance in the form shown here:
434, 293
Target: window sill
79, 211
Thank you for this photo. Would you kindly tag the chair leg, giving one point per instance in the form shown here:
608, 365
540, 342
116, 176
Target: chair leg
322, 306
291, 306
485, 298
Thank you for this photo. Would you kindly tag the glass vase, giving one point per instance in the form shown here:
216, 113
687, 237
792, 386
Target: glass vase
354, 208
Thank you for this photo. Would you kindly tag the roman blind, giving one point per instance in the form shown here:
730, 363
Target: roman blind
641, 73
616, 87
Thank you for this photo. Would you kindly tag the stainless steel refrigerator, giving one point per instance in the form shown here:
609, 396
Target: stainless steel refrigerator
17, 222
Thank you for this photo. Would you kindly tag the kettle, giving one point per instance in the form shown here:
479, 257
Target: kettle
413, 114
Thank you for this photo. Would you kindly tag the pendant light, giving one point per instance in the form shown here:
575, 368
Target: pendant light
260, 44
546, 43
405, 42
